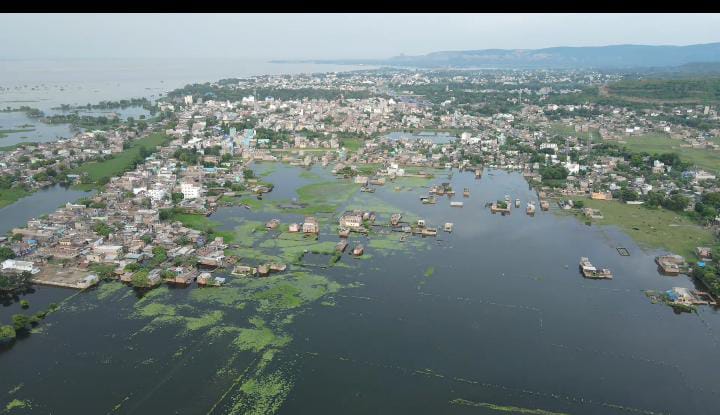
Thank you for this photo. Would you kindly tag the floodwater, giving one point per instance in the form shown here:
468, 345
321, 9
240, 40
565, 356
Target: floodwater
29, 130
492, 317
48, 84
42, 202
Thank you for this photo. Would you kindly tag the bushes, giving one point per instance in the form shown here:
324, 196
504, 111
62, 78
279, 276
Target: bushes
140, 279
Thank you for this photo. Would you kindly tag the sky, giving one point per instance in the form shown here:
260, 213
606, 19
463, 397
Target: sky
331, 36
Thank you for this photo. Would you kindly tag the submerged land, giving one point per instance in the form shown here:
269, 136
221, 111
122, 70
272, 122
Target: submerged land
248, 254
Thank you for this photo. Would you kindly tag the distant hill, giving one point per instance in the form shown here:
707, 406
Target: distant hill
599, 57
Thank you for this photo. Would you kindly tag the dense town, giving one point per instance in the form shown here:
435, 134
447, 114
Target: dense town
369, 125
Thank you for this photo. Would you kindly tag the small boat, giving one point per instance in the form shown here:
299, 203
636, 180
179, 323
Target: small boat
466, 192
588, 270
340, 246
448, 227
544, 205
530, 210
344, 232
507, 198
430, 200
395, 219
358, 250
456, 204
367, 189
517, 203
428, 232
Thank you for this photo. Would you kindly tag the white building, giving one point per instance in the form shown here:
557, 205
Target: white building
19, 266
190, 190
157, 193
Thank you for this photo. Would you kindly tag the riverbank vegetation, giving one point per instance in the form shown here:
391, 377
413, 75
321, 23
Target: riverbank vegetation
659, 143
654, 228
101, 171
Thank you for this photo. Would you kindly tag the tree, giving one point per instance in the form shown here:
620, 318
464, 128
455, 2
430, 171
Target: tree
579, 204
6, 253
248, 174
177, 197
654, 199
712, 199
628, 195
102, 228
676, 202
140, 279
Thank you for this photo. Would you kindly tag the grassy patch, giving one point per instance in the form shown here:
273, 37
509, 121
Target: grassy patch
10, 196
662, 143
121, 161
654, 228
353, 144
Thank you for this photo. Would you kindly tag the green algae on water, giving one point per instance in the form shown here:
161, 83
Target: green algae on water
500, 408
17, 404
259, 338
108, 289
264, 395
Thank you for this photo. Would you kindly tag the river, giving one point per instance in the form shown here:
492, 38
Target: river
493, 316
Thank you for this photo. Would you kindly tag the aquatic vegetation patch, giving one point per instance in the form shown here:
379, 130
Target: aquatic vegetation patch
153, 295
222, 330
17, 404
252, 255
264, 395
225, 296
411, 183
156, 309
501, 408
327, 193
206, 320
285, 292
309, 175
108, 289
429, 271
259, 338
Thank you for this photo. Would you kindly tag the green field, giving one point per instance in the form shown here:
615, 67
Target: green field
10, 196
569, 130
122, 161
667, 90
662, 143
655, 228
353, 144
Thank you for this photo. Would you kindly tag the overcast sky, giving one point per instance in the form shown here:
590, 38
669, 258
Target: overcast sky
320, 36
